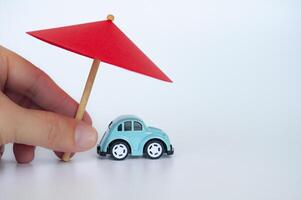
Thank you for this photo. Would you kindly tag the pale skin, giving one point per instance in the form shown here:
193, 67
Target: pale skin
34, 111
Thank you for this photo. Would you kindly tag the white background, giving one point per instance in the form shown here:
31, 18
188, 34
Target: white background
233, 112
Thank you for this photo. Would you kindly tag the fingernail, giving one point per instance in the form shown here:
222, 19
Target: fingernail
85, 136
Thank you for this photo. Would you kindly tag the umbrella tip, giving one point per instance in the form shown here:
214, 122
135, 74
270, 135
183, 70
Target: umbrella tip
110, 17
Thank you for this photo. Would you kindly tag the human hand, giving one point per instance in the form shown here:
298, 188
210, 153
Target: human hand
34, 111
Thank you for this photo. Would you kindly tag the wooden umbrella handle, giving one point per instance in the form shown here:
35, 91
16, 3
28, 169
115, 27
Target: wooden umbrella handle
85, 97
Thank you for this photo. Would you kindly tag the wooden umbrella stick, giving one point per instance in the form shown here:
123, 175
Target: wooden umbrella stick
85, 97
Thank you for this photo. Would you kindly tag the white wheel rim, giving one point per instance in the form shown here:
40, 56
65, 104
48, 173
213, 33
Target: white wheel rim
154, 150
120, 151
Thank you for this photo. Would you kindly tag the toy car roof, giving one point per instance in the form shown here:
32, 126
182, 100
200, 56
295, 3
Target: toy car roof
126, 117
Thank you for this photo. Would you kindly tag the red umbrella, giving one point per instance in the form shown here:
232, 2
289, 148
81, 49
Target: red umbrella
101, 41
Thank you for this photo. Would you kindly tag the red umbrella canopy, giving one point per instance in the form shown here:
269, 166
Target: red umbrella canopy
104, 41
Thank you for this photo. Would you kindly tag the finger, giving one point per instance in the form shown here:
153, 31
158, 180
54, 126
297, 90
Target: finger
1, 150
23, 153
55, 132
27, 103
86, 119
26, 79
41, 128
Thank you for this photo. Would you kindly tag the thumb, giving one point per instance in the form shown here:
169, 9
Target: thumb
41, 128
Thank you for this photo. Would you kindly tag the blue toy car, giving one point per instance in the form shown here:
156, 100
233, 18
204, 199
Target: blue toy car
128, 134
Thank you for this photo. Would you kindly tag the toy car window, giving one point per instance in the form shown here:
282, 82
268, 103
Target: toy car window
137, 126
127, 126
119, 127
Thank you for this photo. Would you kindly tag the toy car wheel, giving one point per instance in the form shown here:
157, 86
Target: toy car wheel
119, 150
154, 149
